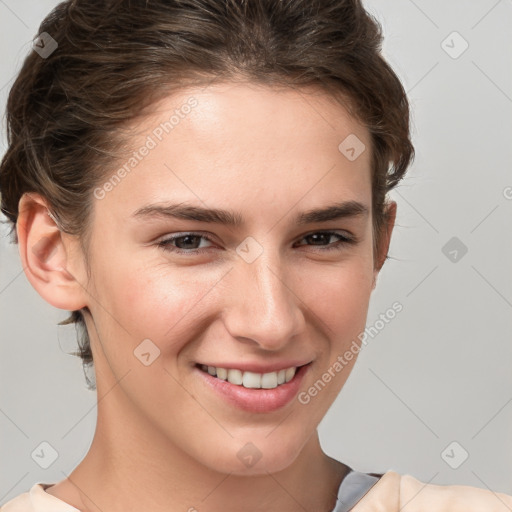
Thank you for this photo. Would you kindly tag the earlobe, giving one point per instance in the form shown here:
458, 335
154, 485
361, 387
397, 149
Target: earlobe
44, 255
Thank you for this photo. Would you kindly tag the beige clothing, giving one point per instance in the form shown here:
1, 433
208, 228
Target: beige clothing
389, 493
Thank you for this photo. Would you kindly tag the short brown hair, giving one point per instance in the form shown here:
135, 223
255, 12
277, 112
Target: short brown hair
117, 57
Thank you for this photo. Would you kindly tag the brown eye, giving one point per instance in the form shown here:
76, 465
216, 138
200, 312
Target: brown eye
186, 243
321, 238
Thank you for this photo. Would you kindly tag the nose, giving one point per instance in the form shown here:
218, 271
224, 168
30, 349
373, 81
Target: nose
263, 307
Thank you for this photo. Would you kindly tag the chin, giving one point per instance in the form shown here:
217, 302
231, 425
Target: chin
264, 454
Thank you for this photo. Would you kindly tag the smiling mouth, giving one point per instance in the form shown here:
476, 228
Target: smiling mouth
251, 380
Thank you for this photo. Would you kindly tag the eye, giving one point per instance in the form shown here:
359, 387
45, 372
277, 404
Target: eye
324, 236
190, 243
186, 243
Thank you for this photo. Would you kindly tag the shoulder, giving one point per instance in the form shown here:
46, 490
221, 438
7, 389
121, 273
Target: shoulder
21, 503
37, 500
394, 492
453, 498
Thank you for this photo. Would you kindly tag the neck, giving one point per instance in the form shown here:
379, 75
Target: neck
131, 467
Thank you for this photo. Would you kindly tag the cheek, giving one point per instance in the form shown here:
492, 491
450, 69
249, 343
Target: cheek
340, 295
172, 304
161, 303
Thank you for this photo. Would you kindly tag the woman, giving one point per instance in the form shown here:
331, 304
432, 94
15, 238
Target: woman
203, 184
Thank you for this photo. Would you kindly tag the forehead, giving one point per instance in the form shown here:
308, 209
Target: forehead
255, 114
247, 145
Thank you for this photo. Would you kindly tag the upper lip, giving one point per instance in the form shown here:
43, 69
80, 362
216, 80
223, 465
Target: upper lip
258, 367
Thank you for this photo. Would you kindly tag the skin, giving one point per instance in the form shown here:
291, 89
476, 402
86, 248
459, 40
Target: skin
164, 441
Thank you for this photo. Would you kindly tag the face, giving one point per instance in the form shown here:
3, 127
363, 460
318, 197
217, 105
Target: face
173, 288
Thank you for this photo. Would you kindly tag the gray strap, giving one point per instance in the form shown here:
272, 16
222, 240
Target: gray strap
353, 487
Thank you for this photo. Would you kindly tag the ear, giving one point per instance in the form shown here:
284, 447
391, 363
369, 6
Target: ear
45, 254
385, 239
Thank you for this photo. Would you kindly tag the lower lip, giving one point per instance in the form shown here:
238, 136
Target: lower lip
256, 400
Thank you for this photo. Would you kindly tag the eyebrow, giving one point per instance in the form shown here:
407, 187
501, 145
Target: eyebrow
336, 211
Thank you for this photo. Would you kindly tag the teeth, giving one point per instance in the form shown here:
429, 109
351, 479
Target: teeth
235, 377
252, 380
290, 372
269, 380
222, 373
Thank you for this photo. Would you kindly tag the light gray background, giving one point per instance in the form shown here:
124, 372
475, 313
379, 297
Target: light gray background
441, 370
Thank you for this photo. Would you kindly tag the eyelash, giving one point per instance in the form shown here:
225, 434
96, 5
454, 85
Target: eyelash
166, 244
